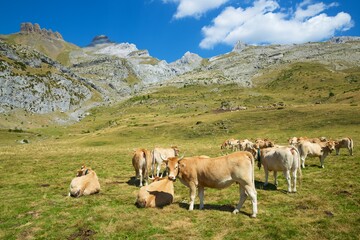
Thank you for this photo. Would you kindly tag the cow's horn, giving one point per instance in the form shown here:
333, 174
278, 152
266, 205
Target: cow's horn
181, 157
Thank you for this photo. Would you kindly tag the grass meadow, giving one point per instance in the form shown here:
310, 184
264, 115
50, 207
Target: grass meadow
35, 177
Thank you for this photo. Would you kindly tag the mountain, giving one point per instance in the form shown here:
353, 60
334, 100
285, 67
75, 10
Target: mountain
46, 41
40, 72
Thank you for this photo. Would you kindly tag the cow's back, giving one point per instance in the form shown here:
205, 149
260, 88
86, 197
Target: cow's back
217, 172
156, 194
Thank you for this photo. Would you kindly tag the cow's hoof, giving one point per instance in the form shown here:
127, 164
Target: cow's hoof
236, 211
253, 215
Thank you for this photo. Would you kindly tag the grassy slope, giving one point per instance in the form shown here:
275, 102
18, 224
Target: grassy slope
35, 177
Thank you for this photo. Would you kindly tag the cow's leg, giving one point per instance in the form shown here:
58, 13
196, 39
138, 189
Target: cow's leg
244, 191
192, 195
288, 179
337, 151
322, 158
141, 177
294, 173
275, 178
303, 161
201, 197
266, 177
158, 167
242, 199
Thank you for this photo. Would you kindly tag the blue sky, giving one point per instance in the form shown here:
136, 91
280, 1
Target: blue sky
169, 28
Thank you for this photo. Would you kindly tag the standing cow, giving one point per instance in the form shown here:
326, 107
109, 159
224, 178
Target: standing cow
344, 143
318, 149
142, 164
285, 159
158, 155
221, 172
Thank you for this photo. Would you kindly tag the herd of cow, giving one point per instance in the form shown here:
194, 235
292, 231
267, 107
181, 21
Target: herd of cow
199, 172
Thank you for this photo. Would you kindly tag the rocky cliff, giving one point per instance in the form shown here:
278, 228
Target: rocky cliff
35, 82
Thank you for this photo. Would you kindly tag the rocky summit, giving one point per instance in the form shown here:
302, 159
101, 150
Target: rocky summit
27, 27
59, 76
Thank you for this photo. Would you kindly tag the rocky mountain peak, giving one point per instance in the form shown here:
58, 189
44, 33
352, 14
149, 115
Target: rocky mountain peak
239, 46
100, 39
28, 27
189, 58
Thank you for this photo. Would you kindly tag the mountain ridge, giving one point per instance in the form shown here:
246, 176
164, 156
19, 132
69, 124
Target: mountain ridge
116, 71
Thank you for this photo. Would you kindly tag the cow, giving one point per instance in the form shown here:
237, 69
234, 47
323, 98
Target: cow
263, 143
318, 149
344, 143
245, 145
157, 194
231, 143
285, 159
220, 172
234, 144
85, 183
296, 140
166, 153
142, 164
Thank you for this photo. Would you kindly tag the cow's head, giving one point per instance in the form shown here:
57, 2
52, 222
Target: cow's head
172, 165
83, 171
331, 145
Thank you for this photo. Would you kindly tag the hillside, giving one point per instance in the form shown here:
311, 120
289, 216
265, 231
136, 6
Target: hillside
105, 72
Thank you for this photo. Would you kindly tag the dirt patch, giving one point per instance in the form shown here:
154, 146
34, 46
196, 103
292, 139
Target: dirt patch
45, 185
343, 193
83, 234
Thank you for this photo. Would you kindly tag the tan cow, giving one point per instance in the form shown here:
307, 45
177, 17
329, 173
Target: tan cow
157, 153
263, 143
85, 183
231, 143
319, 149
296, 140
219, 173
285, 159
157, 194
142, 164
246, 145
344, 143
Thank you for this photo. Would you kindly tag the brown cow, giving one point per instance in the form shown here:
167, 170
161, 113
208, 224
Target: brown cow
219, 173
157, 194
263, 143
142, 164
85, 183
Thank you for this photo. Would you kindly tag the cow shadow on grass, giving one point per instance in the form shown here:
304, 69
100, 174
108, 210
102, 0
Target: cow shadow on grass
269, 187
218, 207
133, 181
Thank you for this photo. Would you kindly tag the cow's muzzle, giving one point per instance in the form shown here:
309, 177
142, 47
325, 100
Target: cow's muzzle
172, 178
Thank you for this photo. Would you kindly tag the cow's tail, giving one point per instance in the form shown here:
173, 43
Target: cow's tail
152, 157
351, 145
299, 163
252, 160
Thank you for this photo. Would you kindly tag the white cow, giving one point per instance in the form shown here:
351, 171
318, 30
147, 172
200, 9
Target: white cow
344, 143
157, 153
285, 159
318, 149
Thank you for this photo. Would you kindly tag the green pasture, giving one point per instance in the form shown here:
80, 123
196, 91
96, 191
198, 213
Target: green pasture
35, 177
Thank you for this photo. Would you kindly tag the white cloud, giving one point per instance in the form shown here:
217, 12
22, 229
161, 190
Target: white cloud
194, 8
264, 22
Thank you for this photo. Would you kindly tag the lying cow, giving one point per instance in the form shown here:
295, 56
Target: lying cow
142, 164
85, 183
166, 153
319, 149
219, 173
157, 194
344, 143
285, 159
